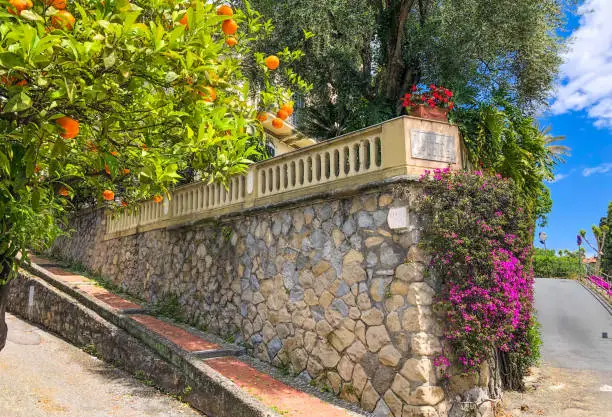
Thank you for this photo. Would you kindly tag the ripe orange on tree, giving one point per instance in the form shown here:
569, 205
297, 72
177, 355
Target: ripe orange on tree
229, 27
58, 4
70, 126
126, 171
18, 6
63, 191
288, 108
277, 123
108, 195
231, 41
63, 19
185, 21
262, 117
272, 62
158, 198
282, 114
124, 203
225, 10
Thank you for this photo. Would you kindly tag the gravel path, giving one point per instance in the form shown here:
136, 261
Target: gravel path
558, 392
42, 375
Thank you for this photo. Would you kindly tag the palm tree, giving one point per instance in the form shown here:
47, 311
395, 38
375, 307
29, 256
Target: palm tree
551, 142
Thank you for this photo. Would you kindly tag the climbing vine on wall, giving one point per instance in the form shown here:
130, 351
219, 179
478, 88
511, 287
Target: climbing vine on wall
479, 236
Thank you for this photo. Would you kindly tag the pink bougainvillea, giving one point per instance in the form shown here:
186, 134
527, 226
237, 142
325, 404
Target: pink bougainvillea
481, 262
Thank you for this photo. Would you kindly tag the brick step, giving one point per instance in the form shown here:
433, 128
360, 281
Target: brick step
285, 400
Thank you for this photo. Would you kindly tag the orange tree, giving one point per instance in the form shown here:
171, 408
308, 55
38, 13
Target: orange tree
111, 99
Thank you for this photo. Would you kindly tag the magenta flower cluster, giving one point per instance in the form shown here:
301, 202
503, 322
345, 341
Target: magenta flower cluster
601, 283
481, 256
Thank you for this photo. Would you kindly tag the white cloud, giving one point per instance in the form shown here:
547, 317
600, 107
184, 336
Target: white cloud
559, 177
600, 169
586, 75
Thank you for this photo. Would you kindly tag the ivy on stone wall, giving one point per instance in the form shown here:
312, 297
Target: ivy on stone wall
479, 236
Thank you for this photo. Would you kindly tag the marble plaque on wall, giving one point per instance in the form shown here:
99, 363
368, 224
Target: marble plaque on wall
433, 146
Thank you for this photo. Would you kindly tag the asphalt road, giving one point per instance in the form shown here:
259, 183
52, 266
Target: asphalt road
572, 322
42, 375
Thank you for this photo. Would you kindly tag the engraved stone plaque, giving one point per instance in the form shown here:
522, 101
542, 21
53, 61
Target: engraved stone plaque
433, 146
398, 218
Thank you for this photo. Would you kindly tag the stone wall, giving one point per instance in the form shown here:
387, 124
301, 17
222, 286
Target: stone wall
326, 289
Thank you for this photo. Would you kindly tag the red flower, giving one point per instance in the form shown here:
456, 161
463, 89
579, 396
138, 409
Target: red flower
449, 93
451, 105
414, 87
423, 98
432, 86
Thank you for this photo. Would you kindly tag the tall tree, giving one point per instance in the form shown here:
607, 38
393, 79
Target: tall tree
366, 53
111, 99
606, 260
601, 234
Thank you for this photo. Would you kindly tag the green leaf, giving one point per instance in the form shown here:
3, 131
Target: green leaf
59, 148
36, 197
5, 164
18, 103
109, 60
31, 15
10, 60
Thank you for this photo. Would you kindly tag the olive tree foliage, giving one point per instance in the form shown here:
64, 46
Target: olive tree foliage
366, 54
147, 87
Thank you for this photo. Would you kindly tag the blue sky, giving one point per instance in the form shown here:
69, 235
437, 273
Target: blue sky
582, 112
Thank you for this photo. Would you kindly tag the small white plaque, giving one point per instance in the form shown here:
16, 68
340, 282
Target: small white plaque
250, 181
398, 218
433, 146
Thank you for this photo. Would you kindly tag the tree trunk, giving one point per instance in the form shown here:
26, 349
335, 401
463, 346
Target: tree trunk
5, 276
511, 373
396, 66
4, 290
600, 252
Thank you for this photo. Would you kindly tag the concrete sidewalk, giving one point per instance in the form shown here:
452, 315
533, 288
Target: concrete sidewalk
43, 375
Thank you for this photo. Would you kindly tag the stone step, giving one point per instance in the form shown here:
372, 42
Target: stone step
237, 384
172, 338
